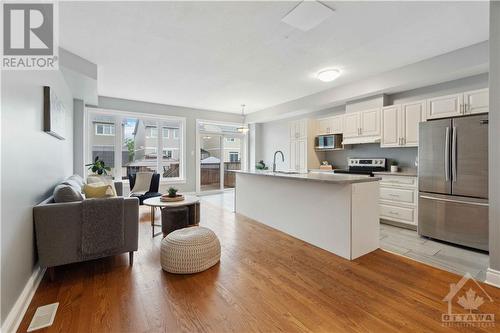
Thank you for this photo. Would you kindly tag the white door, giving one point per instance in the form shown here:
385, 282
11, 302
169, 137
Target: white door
412, 114
476, 101
445, 106
391, 127
370, 122
337, 124
351, 125
324, 126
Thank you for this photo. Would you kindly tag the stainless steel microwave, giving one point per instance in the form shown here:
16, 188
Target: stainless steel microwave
330, 141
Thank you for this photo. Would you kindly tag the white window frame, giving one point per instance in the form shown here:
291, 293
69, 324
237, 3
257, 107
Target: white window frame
237, 153
175, 134
110, 126
150, 128
119, 117
167, 130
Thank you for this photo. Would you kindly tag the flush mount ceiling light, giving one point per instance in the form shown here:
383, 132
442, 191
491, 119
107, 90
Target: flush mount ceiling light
328, 75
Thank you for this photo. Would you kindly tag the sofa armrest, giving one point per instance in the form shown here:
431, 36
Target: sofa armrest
119, 188
58, 232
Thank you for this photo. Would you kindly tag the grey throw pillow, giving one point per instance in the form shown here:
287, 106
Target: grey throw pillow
73, 183
78, 179
66, 193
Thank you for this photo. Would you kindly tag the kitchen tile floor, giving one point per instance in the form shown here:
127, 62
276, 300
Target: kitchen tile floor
407, 243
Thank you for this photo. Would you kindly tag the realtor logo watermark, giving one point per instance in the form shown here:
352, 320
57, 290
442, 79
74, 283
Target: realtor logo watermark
469, 295
30, 38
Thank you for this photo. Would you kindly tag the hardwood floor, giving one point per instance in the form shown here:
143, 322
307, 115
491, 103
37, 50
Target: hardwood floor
266, 281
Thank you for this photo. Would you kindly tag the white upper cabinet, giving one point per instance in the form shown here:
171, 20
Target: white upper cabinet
370, 122
411, 115
331, 125
400, 124
476, 101
391, 126
351, 125
298, 129
337, 124
445, 106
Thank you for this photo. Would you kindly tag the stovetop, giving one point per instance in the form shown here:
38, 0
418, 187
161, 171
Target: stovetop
364, 166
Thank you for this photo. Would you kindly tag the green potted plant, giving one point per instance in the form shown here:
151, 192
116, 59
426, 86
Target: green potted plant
172, 195
394, 166
98, 167
172, 192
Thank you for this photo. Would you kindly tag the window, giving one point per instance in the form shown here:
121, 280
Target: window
104, 129
229, 139
145, 144
234, 156
167, 153
151, 132
176, 133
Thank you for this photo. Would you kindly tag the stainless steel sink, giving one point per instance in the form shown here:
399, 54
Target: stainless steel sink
288, 172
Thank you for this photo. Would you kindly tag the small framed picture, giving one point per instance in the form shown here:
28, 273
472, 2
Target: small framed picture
54, 114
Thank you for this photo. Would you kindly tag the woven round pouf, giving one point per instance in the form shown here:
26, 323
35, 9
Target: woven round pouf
189, 250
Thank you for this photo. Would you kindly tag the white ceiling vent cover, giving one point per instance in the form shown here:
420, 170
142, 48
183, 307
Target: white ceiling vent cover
44, 317
307, 15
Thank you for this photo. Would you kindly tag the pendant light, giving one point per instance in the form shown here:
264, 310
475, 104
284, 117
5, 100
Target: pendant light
243, 128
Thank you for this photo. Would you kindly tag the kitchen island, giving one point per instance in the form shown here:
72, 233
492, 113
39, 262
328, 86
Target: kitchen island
338, 213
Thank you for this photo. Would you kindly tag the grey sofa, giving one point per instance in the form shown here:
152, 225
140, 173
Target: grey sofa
58, 227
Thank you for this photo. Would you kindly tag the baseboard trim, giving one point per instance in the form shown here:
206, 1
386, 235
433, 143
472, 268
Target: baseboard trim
16, 314
493, 277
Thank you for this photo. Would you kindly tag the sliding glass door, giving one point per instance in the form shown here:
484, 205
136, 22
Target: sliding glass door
221, 149
210, 162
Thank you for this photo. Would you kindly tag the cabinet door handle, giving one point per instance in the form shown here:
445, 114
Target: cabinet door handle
394, 195
394, 213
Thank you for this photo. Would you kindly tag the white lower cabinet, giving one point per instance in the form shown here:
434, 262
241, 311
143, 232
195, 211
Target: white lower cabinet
399, 199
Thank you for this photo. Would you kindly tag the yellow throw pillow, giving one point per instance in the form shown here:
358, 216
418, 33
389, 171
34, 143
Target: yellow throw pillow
98, 190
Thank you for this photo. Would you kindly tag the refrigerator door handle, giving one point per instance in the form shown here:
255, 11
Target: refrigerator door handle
454, 155
447, 155
455, 201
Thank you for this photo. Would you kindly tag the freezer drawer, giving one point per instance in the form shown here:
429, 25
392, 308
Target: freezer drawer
457, 220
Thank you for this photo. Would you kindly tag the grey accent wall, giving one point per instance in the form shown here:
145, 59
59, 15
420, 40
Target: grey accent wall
404, 156
494, 135
32, 163
191, 116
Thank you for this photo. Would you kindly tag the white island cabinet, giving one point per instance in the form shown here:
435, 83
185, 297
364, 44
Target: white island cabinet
338, 213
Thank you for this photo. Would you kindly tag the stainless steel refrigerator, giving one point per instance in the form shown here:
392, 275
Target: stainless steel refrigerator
453, 180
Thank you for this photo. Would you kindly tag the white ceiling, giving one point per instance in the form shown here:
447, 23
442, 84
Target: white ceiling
218, 55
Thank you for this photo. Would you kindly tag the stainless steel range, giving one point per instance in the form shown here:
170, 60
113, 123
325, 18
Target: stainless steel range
364, 166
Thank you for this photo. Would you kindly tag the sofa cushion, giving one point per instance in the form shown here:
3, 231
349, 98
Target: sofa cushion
99, 190
66, 193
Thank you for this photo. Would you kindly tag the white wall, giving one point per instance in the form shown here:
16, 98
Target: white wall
32, 163
275, 136
191, 116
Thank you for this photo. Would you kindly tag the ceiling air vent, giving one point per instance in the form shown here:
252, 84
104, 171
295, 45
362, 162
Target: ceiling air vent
307, 15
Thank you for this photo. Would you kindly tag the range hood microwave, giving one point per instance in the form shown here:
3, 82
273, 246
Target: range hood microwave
361, 139
328, 142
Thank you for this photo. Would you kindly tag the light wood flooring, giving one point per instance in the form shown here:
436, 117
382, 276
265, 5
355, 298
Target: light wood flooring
266, 282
